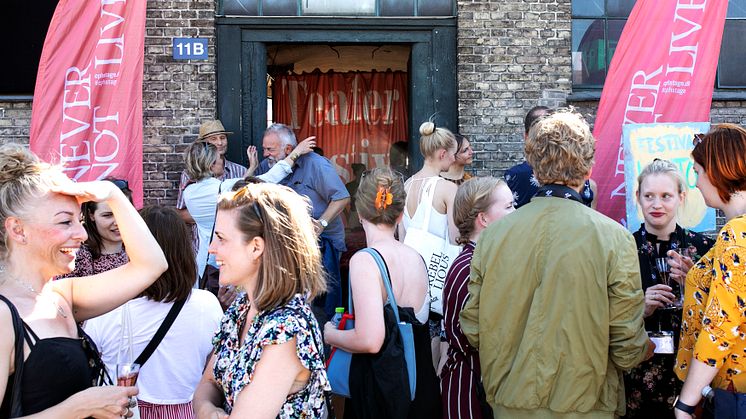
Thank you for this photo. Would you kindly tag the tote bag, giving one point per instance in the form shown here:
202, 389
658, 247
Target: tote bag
338, 366
438, 252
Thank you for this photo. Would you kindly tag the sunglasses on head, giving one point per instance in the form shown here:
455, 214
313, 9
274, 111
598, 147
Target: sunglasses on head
698, 138
120, 183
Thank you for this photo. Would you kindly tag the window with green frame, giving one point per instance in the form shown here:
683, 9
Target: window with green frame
597, 26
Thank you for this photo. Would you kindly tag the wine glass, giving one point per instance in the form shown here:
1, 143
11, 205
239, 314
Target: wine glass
127, 373
664, 270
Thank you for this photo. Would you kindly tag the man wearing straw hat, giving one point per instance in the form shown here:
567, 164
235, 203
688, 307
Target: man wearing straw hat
214, 133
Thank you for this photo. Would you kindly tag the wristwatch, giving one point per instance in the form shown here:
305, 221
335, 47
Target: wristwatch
678, 404
323, 222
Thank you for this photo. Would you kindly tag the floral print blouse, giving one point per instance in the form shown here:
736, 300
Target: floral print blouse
713, 328
235, 363
86, 265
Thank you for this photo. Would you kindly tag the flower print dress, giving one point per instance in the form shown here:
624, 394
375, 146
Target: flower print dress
235, 363
652, 386
712, 329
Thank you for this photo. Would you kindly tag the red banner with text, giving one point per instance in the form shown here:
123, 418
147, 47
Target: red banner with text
355, 116
87, 111
663, 70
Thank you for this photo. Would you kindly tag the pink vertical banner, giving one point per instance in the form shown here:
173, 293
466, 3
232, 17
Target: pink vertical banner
87, 111
663, 70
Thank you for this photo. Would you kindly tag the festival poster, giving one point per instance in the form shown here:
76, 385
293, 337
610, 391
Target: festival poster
645, 142
87, 110
663, 70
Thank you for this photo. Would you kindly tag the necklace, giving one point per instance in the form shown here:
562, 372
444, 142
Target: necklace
31, 288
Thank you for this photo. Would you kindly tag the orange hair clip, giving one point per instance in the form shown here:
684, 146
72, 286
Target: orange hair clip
384, 198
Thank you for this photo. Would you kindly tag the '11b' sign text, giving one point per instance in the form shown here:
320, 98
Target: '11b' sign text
190, 48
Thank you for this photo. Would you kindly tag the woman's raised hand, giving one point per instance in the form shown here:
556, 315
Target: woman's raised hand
680, 266
97, 191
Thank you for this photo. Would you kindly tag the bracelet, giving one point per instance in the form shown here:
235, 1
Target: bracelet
293, 155
678, 404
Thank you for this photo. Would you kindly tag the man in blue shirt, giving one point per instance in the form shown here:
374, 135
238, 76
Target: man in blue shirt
520, 178
314, 177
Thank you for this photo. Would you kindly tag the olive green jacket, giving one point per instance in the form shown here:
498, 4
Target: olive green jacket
556, 311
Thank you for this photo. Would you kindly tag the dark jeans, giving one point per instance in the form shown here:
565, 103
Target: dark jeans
333, 298
729, 405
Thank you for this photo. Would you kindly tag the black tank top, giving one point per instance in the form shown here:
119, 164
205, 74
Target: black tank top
55, 369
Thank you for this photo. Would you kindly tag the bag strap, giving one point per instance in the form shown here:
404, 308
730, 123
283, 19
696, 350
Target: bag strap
160, 333
15, 398
202, 276
384, 269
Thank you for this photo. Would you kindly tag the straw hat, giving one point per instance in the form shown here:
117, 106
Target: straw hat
209, 128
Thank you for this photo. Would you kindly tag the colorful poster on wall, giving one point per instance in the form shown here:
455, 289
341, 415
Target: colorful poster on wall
87, 111
355, 116
663, 70
645, 142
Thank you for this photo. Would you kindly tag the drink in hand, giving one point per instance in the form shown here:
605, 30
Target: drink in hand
127, 374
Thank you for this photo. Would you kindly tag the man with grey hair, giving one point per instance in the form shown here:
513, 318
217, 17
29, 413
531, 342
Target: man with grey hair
314, 177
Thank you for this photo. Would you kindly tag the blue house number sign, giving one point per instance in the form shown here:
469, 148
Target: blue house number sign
190, 48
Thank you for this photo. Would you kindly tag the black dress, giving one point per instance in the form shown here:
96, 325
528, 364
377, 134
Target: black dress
652, 386
55, 369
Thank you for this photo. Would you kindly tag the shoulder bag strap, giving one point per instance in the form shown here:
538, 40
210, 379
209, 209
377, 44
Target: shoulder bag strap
15, 397
202, 276
385, 278
160, 333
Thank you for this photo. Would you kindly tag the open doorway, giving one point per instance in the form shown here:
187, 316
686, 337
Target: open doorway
354, 99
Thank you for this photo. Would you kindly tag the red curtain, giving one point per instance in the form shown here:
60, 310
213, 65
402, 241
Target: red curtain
355, 116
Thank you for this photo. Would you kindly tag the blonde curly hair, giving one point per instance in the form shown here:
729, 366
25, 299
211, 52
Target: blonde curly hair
560, 148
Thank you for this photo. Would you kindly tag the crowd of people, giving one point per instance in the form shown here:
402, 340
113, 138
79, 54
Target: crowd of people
459, 305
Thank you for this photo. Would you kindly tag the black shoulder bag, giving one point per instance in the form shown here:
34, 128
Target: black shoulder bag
160, 333
16, 410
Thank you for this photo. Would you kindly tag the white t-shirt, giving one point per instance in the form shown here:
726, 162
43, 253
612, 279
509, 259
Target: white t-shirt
172, 373
201, 198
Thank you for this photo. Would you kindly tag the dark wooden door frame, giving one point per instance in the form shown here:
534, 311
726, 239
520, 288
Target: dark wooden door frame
241, 50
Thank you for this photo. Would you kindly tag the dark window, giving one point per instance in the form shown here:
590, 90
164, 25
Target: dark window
597, 26
22, 31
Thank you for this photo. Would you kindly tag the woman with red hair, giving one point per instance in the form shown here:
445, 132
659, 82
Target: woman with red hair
712, 350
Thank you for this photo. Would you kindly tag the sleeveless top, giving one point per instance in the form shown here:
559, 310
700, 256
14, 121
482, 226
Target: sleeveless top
55, 369
438, 224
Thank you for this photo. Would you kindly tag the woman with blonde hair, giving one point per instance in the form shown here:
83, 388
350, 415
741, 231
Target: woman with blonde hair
51, 365
380, 203
479, 202
712, 346
661, 191
429, 199
268, 358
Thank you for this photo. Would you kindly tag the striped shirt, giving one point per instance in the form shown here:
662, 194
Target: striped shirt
461, 372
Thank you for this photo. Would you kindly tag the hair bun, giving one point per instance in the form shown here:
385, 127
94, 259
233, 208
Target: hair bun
427, 128
17, 162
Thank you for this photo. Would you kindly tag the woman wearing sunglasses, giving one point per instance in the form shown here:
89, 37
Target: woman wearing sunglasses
712, 349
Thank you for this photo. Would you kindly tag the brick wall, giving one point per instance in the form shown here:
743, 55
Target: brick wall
512, 55
177, 95
15, 120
